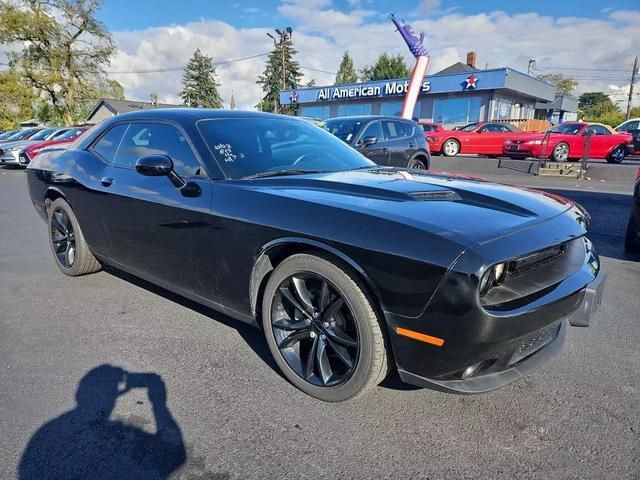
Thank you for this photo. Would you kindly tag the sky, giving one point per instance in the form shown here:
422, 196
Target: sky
593, 41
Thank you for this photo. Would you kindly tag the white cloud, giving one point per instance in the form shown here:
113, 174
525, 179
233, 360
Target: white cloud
322, 33
425, 7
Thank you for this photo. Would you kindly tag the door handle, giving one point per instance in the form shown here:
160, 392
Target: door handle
412, 145
384, 150
106, 181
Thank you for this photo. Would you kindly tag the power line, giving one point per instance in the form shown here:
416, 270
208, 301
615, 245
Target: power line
155, 70
584, 69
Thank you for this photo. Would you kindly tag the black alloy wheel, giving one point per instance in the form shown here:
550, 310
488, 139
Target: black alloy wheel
70, 249
315, 329
63, 238
323, 329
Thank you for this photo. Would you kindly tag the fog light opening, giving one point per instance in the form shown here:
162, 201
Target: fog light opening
471, 370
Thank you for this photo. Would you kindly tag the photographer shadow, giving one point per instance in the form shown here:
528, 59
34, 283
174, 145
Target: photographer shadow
85, 443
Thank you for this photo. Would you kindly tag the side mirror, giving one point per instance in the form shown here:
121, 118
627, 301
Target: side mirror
366, 141
480, 131
159, 166
154, 165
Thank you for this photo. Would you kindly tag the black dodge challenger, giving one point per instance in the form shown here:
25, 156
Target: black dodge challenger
349, 268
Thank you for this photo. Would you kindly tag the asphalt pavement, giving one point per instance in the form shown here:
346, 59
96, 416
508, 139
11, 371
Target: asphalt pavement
230, 415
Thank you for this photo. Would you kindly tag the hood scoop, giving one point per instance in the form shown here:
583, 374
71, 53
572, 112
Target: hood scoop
448, 195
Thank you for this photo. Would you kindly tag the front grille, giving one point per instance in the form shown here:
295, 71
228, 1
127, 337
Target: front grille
534, 342
535, 260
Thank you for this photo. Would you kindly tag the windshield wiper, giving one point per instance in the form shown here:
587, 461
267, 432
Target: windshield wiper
280, 173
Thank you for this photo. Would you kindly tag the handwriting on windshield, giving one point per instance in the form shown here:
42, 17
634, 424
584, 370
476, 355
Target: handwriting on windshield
225, 150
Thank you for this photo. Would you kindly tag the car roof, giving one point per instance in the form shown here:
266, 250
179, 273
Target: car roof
198, 113
602, 125
364, 118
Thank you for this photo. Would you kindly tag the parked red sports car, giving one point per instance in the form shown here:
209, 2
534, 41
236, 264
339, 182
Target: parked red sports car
433, 132
567, 141
485, 138
30, 152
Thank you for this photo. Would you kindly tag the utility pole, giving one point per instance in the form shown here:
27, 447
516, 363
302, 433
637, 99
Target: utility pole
280, 44
634, 74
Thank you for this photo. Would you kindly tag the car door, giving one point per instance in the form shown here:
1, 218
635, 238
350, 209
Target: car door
601, 141
376, 152
153, 227
399, 142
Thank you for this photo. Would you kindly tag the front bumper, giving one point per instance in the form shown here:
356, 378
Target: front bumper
9, 158
521, 149
520, 356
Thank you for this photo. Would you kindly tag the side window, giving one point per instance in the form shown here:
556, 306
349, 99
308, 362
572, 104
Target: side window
389, 129
158, 139
427, 128
108, 144
599, 130
403, 129
633, 125
373, 130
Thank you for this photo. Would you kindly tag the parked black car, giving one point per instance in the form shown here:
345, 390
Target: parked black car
348, 267
389, 141
632, 239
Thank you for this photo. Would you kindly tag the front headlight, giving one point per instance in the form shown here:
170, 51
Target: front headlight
493, 277
508, 141
534, 142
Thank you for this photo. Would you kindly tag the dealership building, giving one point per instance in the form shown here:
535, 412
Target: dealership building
456, 95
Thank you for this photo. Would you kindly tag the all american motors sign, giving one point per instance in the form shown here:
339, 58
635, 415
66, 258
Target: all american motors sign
397, 87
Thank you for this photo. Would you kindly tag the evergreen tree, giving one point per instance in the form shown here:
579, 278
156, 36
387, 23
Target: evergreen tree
346, 71
272, 76
199, 86
385, 68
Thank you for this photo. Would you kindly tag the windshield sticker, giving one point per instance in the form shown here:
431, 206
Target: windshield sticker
225, 150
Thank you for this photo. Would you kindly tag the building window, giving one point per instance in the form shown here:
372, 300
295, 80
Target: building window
394, 108
504, 109
315, 111
351, 109
456, 110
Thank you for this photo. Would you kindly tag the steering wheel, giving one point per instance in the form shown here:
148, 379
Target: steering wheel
304, 157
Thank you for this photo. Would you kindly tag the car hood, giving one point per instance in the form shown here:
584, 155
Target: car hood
465, 209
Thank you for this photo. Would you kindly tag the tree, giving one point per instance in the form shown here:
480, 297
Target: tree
563, 84
60, 48
385, 68
104, 88
272, 78
634, 112
598, 107
199, 85
16, 99
346, 71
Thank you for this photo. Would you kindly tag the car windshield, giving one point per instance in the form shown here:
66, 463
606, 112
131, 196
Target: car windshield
69, 134
22, 134
469, 128
7, 134
567, 128
251, 146
343, 128
42, 134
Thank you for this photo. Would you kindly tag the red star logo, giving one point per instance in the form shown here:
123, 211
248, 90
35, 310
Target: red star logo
471, 81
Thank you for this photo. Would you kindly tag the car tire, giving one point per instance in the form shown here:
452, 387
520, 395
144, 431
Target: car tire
632, 238
450, 148
68, 245
617, 155
560, 152
417, 163
356, 320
